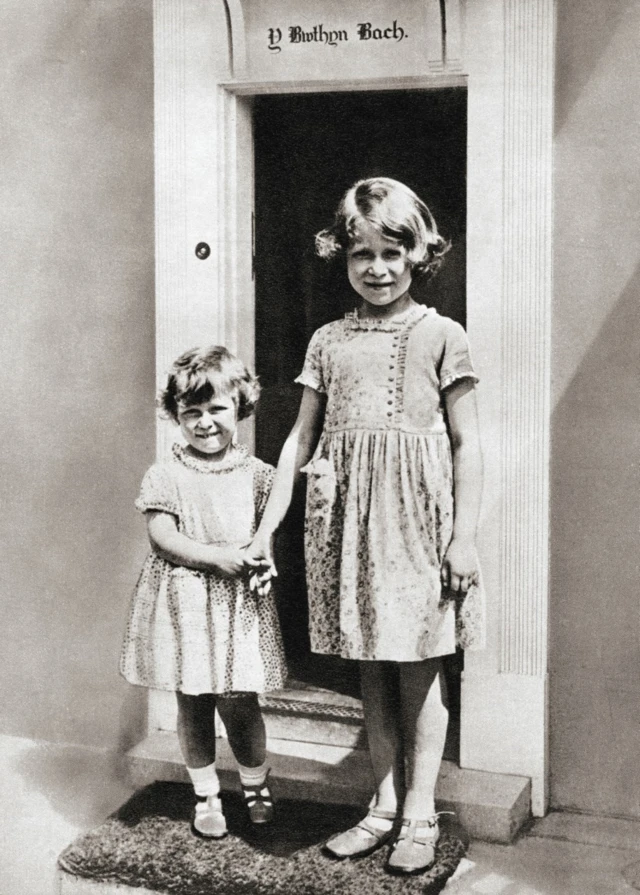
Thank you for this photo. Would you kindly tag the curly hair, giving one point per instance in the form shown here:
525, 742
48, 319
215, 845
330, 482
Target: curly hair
201, 373
396, 212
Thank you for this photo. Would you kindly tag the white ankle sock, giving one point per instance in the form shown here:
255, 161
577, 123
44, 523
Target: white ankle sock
253, 776
205, 780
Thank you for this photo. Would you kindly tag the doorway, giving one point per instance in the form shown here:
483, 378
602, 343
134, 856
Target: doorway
308, 149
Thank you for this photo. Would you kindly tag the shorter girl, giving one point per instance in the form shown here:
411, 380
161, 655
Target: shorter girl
195, 626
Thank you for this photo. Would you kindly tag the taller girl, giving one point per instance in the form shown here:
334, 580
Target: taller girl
387, 433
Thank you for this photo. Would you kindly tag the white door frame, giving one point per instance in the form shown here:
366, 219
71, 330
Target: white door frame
503, 51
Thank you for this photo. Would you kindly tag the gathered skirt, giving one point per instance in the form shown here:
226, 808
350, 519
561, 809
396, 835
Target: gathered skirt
195, 632
379, 520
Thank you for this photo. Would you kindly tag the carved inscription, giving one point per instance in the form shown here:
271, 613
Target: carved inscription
331, 37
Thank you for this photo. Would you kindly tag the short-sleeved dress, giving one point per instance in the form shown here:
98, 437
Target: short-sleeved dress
198, 632
379, 513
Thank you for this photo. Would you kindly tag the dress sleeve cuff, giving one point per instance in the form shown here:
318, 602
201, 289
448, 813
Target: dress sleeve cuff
306, 378
448, 380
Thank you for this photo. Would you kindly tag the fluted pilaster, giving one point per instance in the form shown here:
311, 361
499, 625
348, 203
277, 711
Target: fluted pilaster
526, 312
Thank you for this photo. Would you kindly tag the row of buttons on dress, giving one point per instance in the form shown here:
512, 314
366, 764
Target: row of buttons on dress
392, 366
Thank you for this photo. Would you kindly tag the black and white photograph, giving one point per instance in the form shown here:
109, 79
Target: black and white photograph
321, 455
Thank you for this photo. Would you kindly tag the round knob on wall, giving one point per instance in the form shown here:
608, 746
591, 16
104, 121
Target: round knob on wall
203, 251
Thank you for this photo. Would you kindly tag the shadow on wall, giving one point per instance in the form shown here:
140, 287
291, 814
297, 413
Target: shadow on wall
595, 572
585, 28
84, 785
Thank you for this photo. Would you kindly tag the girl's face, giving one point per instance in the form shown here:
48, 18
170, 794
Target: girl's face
378, 268
209, 428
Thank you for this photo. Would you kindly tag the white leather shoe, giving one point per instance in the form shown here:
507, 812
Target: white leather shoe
361, 840
414, 851
209, 821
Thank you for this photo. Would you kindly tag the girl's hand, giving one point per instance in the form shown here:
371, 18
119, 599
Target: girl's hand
260, 580
229, 561
460, 566
258, 555
258, 559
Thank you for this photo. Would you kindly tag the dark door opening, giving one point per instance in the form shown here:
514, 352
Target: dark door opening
309, 148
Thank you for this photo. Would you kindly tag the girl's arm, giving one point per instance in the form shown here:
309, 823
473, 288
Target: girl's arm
296, 452
177, 548
460, 567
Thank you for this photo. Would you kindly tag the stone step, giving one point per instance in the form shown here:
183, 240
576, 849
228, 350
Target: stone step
490, 806
311, 716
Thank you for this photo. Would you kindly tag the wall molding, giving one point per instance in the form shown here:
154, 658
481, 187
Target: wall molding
526, 326
169, 37
237, 38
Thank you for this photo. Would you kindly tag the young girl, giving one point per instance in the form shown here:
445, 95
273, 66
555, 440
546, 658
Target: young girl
195, 625
387, 434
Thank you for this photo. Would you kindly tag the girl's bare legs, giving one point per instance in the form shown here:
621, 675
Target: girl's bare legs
424, 727
196, 729
243, 720
241, 717
380, 702
244, 723
197, 737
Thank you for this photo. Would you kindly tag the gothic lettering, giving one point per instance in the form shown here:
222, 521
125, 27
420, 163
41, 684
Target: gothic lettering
331, 37
318, 34
366, 31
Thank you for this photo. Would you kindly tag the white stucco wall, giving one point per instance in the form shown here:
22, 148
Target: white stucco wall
595, 499
78, 421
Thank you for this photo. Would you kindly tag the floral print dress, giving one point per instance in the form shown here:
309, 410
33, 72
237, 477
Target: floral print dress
197, 632
379, 513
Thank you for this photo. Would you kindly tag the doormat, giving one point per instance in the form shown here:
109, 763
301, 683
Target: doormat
149, 843
631, 875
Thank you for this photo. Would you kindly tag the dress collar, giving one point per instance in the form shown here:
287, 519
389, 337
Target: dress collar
235, 457
407, 318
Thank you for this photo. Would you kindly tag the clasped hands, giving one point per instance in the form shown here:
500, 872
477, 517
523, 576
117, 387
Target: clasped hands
234, 561
258, 560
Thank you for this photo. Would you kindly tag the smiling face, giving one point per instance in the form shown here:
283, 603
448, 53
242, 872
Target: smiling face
378, 267
209, 427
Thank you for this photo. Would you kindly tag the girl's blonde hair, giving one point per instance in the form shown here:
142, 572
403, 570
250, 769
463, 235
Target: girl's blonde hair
394, 210
201, 373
